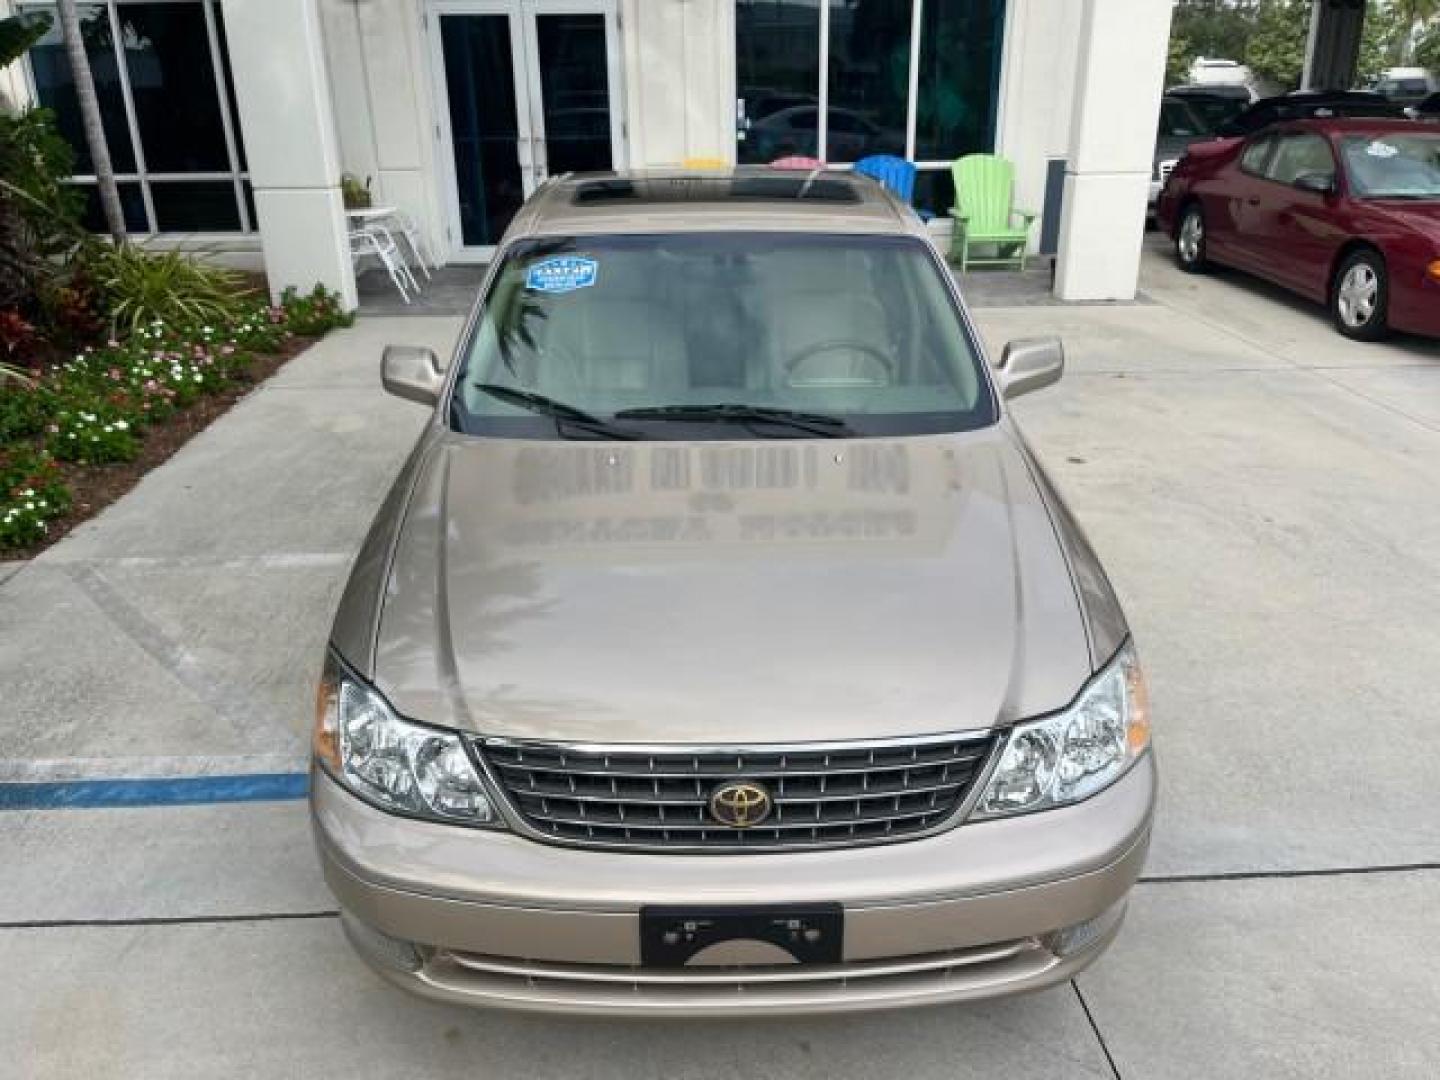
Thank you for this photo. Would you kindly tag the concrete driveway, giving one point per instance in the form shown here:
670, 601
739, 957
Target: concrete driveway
1265, 494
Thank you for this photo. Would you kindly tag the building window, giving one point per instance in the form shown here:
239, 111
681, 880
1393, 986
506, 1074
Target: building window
843, 79
167, 105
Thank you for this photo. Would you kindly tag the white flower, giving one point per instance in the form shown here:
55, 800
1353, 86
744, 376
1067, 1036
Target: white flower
121, 425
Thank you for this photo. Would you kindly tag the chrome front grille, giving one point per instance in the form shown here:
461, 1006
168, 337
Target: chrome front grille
833, 795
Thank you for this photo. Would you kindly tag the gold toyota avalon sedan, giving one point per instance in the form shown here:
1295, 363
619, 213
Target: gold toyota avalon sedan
722, 648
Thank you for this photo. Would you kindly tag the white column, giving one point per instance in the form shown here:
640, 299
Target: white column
283, 93
1119, 78
680, 80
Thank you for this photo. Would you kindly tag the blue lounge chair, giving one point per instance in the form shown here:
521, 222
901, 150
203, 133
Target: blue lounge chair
895, 173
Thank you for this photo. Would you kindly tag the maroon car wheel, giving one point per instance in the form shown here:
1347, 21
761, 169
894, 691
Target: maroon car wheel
1360, 296
1190, 240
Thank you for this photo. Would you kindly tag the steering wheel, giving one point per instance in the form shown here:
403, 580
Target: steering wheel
887, 364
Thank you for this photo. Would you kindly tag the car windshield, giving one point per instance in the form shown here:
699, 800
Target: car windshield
1393, 165
1179, 121
1215, 111
720, 336
1403, 88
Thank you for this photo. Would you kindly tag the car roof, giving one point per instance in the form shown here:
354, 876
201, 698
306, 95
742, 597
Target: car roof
1356, 125
1309, 103
1224, 91
754, 198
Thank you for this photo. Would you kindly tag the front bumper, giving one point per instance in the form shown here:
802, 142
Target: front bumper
490, 918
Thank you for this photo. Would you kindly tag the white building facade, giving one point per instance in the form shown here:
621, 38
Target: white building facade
231, 122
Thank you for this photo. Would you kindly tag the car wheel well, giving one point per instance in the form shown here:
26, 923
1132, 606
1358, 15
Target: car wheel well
1349, 248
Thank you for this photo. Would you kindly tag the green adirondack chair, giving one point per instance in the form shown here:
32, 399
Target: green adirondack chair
984, 216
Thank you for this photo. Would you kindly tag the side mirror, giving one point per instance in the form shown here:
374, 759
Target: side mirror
1317, 182
1030, 364
413, 373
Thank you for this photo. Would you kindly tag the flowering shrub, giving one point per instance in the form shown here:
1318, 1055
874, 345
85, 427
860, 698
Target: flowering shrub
316, 313
31, 494
93, 438
94, 408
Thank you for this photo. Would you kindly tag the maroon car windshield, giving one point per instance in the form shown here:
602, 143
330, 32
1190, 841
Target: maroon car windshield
1393, 165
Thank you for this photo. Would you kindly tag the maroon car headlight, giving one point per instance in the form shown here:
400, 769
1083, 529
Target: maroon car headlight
1071, 755
398, 765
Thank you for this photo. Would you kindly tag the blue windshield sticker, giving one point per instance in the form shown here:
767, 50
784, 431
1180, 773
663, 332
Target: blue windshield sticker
562, 274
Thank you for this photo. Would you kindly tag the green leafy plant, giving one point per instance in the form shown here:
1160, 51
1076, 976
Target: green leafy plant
37, 213
354, 194
35, 163
19, 32
137, 287
315, 312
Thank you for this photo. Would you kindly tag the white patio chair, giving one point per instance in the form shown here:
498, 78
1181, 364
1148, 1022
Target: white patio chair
407, 228
375, 241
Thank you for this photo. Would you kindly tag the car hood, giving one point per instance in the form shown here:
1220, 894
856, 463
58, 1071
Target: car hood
753, 592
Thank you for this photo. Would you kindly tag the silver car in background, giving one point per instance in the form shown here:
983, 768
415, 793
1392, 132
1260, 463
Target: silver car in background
722, 649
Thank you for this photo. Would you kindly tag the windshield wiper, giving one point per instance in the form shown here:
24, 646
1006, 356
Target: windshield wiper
558, 410
829, 427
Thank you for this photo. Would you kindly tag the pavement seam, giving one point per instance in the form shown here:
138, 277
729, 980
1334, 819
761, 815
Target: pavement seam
173, 657
1100, 1038
290, 560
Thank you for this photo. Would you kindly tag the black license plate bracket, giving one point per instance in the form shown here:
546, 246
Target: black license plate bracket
671, 935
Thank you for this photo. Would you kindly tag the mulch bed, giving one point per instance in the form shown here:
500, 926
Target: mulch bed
94, 487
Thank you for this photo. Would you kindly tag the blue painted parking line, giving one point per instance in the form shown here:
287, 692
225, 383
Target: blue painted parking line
166, 791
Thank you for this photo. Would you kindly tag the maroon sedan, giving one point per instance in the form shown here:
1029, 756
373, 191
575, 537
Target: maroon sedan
1346, 212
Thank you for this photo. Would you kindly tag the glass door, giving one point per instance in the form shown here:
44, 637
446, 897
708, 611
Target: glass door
478, 54
574, 106
524, 89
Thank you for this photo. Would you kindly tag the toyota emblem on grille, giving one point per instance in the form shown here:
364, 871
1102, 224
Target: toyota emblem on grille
741, 804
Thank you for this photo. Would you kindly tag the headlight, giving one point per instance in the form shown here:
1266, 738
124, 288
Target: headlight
395, 764
1067, 757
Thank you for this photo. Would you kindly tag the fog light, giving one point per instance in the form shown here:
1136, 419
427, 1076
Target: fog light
1434, 270
382, 949
1081, 936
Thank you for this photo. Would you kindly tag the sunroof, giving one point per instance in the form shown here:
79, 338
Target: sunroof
781, 187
